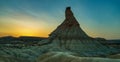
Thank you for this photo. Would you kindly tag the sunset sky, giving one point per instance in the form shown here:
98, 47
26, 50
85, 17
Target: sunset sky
98, 18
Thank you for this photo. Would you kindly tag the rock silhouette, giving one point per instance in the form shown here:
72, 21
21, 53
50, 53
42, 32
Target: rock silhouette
69, 28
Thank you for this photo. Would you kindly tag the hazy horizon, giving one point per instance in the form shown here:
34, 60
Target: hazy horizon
98, 18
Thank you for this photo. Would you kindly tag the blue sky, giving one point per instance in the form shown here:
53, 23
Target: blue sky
98, 18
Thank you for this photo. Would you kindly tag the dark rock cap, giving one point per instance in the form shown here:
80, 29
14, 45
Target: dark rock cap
68, 8
68, 13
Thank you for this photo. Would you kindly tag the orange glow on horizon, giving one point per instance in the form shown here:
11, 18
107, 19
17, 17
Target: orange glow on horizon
29, 33
24, 25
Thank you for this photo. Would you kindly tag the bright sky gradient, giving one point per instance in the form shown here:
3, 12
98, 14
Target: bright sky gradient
98, 18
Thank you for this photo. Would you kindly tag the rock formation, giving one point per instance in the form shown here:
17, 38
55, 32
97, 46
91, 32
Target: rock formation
69, 28
69, 36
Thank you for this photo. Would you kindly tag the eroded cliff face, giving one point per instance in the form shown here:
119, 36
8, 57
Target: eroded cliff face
70, 28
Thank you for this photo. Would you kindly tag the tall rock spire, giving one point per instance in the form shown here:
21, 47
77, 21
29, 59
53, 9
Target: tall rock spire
69, 17
70, 36
68, 13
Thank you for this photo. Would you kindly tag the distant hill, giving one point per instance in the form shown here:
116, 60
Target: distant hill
110, 42
21, 39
